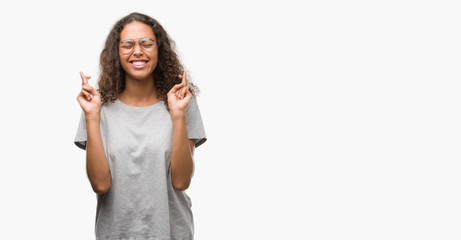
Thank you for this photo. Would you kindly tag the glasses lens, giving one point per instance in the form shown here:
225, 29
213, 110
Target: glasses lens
126, 47
148, 45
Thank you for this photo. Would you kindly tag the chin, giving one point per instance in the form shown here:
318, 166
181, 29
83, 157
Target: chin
140, 74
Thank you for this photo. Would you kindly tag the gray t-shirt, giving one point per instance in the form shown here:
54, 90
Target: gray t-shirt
142, 203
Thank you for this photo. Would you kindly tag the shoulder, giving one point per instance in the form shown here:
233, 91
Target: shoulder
111, 106
193, 104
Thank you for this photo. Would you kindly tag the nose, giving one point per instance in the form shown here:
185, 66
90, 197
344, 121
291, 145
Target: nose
137, 49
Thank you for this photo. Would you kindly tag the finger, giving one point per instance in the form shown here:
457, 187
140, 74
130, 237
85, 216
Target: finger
186, 84
187, 93
88, 96
188, 97
91, 90
184, 77
85, 81
84, 78
176, 87
182, 83
87, 87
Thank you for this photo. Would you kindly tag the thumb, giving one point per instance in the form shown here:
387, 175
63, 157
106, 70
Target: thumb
176, 87
91, 90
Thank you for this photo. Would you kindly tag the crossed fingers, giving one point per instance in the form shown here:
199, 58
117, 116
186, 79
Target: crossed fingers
181, 93
87, 90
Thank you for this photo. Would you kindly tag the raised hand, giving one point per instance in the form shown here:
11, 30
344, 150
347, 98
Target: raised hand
179, 97
88, 98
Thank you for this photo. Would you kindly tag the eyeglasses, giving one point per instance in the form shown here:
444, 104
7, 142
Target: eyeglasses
127, 46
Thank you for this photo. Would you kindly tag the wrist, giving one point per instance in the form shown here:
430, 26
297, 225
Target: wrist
178, 123
93, 117
178, 117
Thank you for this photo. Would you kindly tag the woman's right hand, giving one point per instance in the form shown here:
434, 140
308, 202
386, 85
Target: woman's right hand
88, 98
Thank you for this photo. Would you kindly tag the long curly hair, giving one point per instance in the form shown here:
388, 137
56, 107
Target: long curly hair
112, 77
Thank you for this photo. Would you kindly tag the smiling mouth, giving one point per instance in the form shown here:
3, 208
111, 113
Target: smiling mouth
139, 63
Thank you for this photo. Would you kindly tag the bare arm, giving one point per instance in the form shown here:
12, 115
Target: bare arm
97, 166
182, 155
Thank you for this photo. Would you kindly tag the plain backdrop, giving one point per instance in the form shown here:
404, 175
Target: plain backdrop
325, 119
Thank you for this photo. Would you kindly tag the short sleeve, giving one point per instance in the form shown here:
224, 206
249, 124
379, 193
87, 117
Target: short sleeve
80, 137
194, 124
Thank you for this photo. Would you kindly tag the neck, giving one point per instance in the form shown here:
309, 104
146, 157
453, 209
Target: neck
139, 93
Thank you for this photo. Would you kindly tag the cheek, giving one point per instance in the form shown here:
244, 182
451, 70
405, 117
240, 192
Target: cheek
120, 57
123, 61
154, 60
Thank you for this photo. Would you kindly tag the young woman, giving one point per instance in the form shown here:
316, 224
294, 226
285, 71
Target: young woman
140, 130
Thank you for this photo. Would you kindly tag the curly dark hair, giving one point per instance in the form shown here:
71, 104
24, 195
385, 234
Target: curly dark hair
112, 78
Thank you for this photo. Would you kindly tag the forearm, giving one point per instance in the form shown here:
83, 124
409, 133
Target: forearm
96, 162
182, 164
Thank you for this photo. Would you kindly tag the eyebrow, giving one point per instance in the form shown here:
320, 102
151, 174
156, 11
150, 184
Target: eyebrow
140, 39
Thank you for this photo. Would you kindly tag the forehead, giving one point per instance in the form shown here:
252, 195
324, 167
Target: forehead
135, 29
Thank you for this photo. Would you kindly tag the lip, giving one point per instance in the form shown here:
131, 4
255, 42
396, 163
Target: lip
139, 66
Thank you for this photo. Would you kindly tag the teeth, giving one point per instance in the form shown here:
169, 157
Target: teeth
138, 63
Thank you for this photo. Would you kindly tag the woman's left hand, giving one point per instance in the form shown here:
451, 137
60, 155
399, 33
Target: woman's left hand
179, 97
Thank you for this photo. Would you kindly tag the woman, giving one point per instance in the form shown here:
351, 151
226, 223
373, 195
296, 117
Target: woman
140, 130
